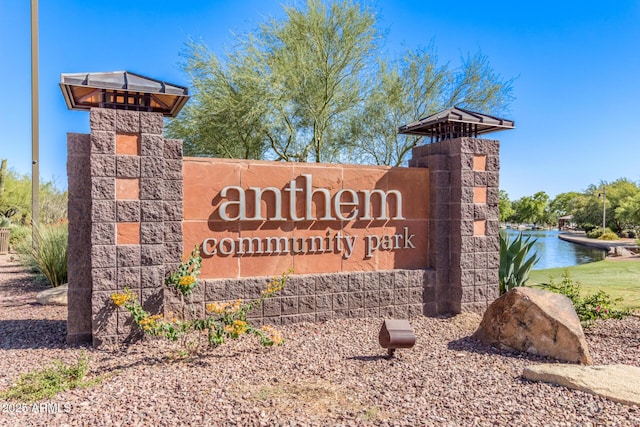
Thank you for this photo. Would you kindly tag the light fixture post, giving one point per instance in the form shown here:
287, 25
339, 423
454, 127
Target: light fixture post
35, 143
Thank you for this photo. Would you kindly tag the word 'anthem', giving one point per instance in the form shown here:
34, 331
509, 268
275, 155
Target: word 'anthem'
346, 204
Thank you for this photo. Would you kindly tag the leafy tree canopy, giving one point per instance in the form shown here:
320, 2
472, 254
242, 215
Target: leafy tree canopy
315, 86
15, 198
621, 205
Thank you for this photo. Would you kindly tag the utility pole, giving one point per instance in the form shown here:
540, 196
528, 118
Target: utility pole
35, 142
604, 206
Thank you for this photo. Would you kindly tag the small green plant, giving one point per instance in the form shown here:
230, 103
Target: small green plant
516, 261
589, 307
48, 256
47, 382
5, 222
186, 277
609, 236
597, 233
227, 320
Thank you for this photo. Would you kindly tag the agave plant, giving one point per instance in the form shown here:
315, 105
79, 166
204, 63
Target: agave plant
516, 261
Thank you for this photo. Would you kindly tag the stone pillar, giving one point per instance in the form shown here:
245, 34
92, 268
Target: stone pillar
463, 230
78, 251
122, 222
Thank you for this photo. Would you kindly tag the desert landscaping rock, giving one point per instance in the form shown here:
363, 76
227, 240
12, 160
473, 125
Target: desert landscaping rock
53, 296
326, 374
537, 322
620, 383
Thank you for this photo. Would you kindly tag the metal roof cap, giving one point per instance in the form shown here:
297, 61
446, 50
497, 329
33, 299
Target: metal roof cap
122, 90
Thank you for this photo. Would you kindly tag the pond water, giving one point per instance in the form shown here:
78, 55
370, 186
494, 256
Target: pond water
555, 253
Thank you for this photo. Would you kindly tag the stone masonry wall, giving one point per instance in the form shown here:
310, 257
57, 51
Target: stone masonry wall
125, 204
463, 246
320, 297
125, 230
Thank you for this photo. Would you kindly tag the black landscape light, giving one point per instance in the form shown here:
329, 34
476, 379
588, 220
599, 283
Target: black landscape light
396, 333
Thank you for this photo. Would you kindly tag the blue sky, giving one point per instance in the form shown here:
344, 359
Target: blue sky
576, 65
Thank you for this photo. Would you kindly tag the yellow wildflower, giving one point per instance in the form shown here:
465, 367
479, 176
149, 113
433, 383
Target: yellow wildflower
120, 299
240, 326
186, 281
236, 305
229, 329
274, 334
216, 307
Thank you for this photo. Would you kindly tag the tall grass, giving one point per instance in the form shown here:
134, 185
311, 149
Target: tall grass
48, 256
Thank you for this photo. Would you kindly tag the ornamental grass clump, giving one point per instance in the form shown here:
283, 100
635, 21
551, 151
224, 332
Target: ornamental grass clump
222, 320
48, 254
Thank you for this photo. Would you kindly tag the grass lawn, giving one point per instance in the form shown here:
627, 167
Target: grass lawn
620, 279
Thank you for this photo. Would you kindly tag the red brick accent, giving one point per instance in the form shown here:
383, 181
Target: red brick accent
480, 162
127, 188
480, 195
127, 144
480, 227
128, 233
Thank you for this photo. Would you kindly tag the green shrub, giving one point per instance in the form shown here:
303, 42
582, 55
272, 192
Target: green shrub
516, 261
589, 307
46, 383
19, 234
49, 255
609, 236
597, 233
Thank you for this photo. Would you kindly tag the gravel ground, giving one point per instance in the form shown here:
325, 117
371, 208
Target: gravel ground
325, 374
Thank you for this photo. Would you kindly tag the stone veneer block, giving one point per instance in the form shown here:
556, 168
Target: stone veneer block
103, 142
154, 167
151, 188
127, 166
127, 121
152, 145
127, 144
172, 149
103, 188
127, 188
128, 211
102, 119
151, 123
128, 233
102, 165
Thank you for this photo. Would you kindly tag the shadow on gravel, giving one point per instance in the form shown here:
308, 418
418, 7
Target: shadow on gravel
22, 284
472, 346
368, 358
32, 333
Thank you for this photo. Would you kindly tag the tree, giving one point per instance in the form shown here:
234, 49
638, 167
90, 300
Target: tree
504, 207
564, 203
628, 213
16, 199
533, 209
315, 87
417, 86
588, 213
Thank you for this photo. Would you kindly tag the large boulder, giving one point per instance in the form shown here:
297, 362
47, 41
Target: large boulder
537, 322
53, 296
